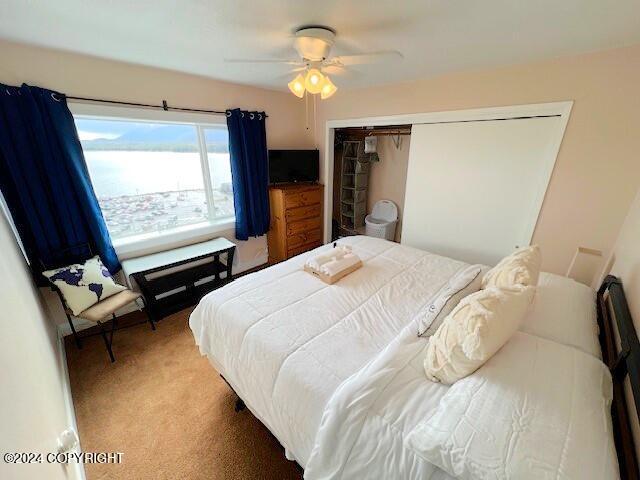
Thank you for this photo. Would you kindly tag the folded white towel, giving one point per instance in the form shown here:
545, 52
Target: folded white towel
333, 254
336, 266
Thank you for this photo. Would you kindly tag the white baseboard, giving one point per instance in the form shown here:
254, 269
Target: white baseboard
76, 468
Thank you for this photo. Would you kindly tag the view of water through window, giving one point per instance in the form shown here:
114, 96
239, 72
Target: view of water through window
148, 176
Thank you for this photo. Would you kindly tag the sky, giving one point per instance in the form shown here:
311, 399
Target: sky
95, 129
92, 129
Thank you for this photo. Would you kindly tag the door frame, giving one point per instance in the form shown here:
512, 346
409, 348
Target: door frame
560, 109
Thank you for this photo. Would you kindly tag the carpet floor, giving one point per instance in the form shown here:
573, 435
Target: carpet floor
167, 410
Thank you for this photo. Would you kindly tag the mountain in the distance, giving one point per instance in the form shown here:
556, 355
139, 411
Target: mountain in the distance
158, 137
159, 133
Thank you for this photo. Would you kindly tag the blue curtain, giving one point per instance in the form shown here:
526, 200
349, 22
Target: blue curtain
249, 172
44, 178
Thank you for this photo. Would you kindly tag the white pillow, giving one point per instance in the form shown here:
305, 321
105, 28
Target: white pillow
564, 311
84, 285
522, 267
465, 282
479, 325
537, 409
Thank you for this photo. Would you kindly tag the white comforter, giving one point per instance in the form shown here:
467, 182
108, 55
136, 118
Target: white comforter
383, 401
335, 372
537, 409
285, 340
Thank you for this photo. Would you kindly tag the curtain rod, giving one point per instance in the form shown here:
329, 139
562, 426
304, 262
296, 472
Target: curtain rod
164, 105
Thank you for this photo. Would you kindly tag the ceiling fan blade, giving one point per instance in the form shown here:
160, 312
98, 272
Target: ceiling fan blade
342, 72
263, 60
365, 58
290, 74
333, 69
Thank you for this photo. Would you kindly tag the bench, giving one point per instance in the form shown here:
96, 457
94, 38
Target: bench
178, 278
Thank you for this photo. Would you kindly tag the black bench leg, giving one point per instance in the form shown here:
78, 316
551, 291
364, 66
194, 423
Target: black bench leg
229, 265
148, 312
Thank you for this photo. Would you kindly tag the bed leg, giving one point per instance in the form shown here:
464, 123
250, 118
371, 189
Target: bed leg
240, 405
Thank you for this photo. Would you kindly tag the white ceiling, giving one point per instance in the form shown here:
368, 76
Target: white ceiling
435, 36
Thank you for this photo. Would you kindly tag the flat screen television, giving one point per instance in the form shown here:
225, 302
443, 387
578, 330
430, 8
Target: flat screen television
289, 166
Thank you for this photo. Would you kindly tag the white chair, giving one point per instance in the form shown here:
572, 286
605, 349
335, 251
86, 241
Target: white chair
382, 220
100, 312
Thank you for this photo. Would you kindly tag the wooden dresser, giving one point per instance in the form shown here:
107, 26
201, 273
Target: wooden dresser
296, 220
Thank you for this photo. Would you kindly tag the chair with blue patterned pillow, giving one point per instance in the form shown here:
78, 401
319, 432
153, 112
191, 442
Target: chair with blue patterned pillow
87, 291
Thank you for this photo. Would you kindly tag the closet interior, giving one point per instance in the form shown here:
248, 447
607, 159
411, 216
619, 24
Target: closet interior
369, 177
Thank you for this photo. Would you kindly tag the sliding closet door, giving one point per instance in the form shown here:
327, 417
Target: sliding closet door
474, 189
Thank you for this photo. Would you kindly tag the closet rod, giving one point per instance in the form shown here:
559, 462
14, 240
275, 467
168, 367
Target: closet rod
377, 131
394, 133
377, 134
164, 105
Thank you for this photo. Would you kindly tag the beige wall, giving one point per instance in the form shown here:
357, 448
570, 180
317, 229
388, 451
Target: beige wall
597, 171
81, 75
33, 409
387, 179
594, 180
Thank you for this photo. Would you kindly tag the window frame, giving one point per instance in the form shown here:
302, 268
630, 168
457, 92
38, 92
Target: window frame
140, 244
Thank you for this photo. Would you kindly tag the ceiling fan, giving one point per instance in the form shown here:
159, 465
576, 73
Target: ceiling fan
313, 44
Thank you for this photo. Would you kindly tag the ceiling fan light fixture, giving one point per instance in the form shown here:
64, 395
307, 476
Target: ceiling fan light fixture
297, 86
314, 81
313, 43
328, 88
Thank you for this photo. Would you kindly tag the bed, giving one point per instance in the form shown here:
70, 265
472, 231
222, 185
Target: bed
295, 349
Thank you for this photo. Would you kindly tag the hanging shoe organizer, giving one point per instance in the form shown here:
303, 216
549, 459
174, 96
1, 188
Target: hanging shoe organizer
354, 184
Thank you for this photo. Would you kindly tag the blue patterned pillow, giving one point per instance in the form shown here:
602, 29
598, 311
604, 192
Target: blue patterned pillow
84, 285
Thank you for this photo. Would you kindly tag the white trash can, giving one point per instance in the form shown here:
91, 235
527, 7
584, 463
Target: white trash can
382, 221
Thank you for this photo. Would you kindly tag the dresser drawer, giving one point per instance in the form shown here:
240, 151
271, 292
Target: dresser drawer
292, 252
303, 198
300, 213
293, 228
303, 238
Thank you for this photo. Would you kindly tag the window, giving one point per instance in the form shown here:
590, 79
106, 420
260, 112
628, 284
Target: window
154, 177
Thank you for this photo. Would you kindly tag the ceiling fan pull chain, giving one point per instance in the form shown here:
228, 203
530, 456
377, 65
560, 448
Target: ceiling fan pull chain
315, 116
306, 110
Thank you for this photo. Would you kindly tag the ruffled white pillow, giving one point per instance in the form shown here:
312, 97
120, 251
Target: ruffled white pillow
522, 267
475, 330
